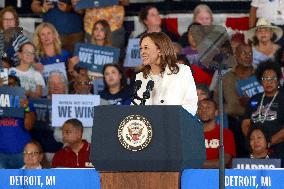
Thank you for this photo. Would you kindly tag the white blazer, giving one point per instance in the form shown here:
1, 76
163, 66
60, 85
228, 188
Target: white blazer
177, 89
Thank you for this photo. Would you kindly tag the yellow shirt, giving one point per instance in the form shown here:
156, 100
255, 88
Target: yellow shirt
113, 14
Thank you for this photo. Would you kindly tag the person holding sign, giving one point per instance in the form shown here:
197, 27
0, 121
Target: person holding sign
15, 132
163, 80
101, 36
31, 80
266, 109
101, 33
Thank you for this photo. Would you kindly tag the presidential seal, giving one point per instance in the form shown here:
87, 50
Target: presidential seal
135, 132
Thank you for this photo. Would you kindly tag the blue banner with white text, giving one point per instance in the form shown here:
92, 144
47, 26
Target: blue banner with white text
234, 179
50, 178
10, 102
93, 57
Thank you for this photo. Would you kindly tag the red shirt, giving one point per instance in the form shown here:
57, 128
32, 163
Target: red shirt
67, 158
200, 76
212, 139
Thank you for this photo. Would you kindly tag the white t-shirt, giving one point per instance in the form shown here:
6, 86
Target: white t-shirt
271, 10
29, 79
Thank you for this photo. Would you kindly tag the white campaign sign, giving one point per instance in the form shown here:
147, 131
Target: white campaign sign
132, 58
60, 67
66, 107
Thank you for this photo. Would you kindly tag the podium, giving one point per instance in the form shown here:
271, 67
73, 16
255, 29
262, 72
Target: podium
145, 146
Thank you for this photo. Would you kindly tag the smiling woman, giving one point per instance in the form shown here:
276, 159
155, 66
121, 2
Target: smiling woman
173, 83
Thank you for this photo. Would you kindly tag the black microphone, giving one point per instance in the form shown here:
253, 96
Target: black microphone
137, 86
146, 94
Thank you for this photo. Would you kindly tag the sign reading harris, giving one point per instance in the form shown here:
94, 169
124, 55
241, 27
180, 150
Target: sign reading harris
249, 86
66, 107
132, 58
10, 102
93, 57
83, 4
246, 163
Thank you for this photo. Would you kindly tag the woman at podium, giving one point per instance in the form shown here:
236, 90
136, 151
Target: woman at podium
162, 81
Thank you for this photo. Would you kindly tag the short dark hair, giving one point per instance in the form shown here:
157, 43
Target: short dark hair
204, 88
268, 65
182, 57
16, 79
209, 100
75, 123
144, 13
253, 127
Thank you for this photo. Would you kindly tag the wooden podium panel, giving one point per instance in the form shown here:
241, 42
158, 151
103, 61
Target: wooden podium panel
140, 180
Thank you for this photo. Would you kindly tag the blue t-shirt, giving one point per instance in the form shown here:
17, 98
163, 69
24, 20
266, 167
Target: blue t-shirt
123, 97
64, 22
63, 57
13, 135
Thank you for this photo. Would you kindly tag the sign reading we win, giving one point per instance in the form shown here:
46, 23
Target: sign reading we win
93, 57
66, 107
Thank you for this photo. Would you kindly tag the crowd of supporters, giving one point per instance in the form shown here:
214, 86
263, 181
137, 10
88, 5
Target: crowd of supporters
253, 118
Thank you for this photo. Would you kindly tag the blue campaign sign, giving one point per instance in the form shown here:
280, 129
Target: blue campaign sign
50, 178
10, 102
249, 86
93, 57
234, 179
83, 4
43, 110
132, 57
